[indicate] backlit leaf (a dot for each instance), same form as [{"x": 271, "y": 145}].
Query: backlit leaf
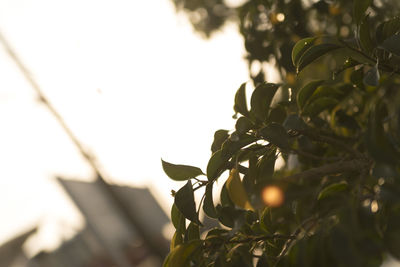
[
  {"x": 313, "y": 53},
  {"x": 180, "y": 172},
  {"x": 319, "y": 105},
  {"x": 300, "y": 47},
  {"x": 219, "y": 138},
  {"x": 305, "y": 92},
  {"x": 236, "y": 191},
  {"x": 178, "y": 220},
  {"x": 332, "y": 189}
]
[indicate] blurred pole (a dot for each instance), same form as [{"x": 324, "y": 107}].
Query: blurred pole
[{"x": 90, "y": 159}]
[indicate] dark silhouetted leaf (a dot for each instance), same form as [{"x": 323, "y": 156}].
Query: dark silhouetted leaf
[
  {"x": 243, "y": 124},
  {"x": 216, "y": 165},
  {"x": 261, "y": 100},
  {"x": 240, "y": 101},
  {"x": 294, "y": 122},
  {"x": 208, "y": 206},
  {"x": 180, "y": 172},
  {"x": 192, "y": 232},
  {"x": 275, "y": 134},
  {"x": 265, "y": 167},
  {"x": 277, "y": 114},
  {"x": 184, "y": 201},
  {"x": 219, "y": 138},
  {"x": 392, "y": 44}
]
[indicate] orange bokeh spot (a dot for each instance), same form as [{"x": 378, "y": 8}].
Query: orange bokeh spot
[{"x": 273, "y": 196}]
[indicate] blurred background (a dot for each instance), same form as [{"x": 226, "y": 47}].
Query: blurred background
[{"x": 92, "y": 95}]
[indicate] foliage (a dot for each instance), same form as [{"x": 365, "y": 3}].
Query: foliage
[{"x": 311, "y": 172}]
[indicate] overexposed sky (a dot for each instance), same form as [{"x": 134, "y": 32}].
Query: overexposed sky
[{"x": 131, "y": 80}]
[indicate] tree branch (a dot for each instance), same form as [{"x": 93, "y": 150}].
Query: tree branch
[
  {"x": 261, "y": 238},
  {"x": 331, "y": 141},
  {"x": 355, "y": 165}
]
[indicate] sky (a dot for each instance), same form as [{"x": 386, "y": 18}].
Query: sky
[{"x": 130, "y": 79}]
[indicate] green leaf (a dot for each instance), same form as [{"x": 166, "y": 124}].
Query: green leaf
[
  {"x": 240, "y": 101},
  {"x": 178, "y": 220},
  {"x": 319, "y": 105},
  {"x": 184, "y": 201},
  {"x": 236, "y": 191},
  {"x": 275, "y": 134},
  {"x": 313, "y": 53},
  {"x": 176, "y": 240},
  {"x": 300, "y": 47},
  {"x": 265, "y": 220},
  {"x": 325, "y": 91},
  {"x": 192, "y": 232},
  {"x": 359, "y": 8},
  {"x": 216, "y": 165},
  {"x": 180, "y": 172},
  {"x": 365, "y": 36},
  {"x": 180, "y": 255},
  {"x": 387, "y": 29},
  {"x": 392, "y": 44},
  {"x": 243, "y": 124},
  {"x": 219, "y": 138},
  {"x": 261, "y": 100},
  {"x": 332, "y": 189},
  {"x": 372, "y": 77},
  {"x": 208, "y": 206},
  {"x": 305, "y": 92}
]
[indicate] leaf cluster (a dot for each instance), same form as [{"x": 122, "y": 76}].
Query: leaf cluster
[{"x": 310, "y": 174}]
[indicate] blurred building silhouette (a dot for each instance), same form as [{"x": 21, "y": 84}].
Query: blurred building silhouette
[
  {"x": 123, "y": 228},
  {"x": 11, "y": 253}
]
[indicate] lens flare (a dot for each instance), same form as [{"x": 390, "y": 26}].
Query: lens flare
[{"x": 273, "y": 196}]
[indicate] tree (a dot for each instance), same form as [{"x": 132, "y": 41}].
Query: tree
[{"x": 334, "y": 122}]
